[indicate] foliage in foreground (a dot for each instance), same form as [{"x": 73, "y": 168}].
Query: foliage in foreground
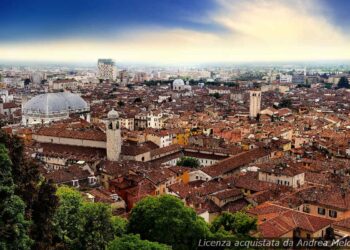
[
  {"x": 13, "y": 225},
  {"x": 167, "y": 220},
  {"x": 131, "y": 242}
]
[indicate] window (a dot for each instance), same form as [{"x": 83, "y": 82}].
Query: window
[
  {"x": 321, "y": 211},
  {"x": 306, "y": 209},
  {"x": 332, "y": 213}
]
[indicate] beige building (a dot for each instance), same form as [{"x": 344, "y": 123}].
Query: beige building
[{"x": 283, "y": 175}]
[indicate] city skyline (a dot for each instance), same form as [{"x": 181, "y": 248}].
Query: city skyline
[{"x": 170, "y": 32}]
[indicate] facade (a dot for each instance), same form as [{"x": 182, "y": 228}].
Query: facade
[
  {"x": 298, "y": 79},
  {"x": 255, "y": 103},
  {"x": 106, "y": 69},
  {"x": 155, "y": 120},
  {"x": 283, "y": 176},
  {"x": 49, "y": 107},
  {"x": 63, "y": 84},
  {"x": 286, "y": 78}
]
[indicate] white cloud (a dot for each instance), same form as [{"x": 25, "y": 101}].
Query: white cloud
[{"x": 257, "y": 30}]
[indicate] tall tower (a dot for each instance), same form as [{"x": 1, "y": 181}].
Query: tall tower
[
  {"x": 106, "y": 69},
  {"x": 255, "y": 103},
  {"x": 114, "y": 140}
]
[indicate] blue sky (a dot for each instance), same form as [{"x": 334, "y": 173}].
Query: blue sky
[
  {"x": 42, "y": 19},
  {"x": 174, "y": 30}
]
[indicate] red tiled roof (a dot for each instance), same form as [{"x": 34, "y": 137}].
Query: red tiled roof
[{"x": 235, "y": 162}]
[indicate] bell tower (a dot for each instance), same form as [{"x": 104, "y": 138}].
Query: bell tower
[
  {"x": 114, "y": 140},
  {"x": 255, "y": 103}
]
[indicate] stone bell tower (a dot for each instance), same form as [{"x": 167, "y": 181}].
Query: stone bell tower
[
  {"x": 255, "y": 103},
  {"x": 114, "y": 140}
]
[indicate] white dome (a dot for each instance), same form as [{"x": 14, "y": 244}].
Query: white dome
[
  {"x": 55, "y": 103},
  {"x": 178, "y": 82},
  {"x": 113, "y": 114}
]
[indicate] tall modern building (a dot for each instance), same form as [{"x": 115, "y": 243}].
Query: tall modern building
[
  {"x": 255, "y": 103},
  {"x": 106, "y": 69}
]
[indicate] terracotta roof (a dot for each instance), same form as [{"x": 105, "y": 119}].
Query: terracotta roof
[
  {"x": 134, "y": 149},
  {"x": 345, "y": 223},
  {"x": 276, "y": 221},
  {"x": 227, "y": 193},
  {"x": 250, "y": 181},
  {"x": 67, "y": 175},
  {"x": 235, "y": 162},
  {"x": 82, "y": 130}
]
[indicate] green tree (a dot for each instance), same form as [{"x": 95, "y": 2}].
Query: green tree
[
  {"x": 131, "y": 242},
  {"x": 25, "y": 172},
  {"x": 328, "y": 85},
  {"x": 285, "y": 103},
  {"x": 238, "y": 223},
  {"x": 84, "y": 225},
  {"x": 216, "y": 95},
  {"x": 167, "y": 220},
  {"x": 343, "y": 83},
  {"x": 119, "y": 225},
  {"x": 44, "y": 208},
  {"x": 67, "y": 219},
  {"x": 121, "y": 103},
  {"x": 188, "y": 162},
  {"x": 13, "y": 225},
  {"x": 97, "y": 228}
]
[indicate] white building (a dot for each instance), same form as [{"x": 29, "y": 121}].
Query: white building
[
  {"x": 179, "y": 84},
  {"x": 4, "y": 95},
  {"x": 154, "y": 120},
  {"x": 286, "y": 78},
  {"x": 49, "y": 107},
  {"x": 106, "y": 69},
  {"x": 285, "y": 176},
  {"x": 255, "y": 103}
]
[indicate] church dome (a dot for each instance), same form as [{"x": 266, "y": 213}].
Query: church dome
[
  {"x": 55, "y": 103},
  {"x": 113, "y": 114},
  {"x": 178, "y": 82}
]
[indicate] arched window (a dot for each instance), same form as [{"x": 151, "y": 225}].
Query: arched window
[{"x": 110, "y": 126}]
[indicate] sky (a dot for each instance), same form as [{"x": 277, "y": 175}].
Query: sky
[{"x": 174, "y": 31}]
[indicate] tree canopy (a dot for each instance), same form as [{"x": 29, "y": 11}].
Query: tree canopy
[
  {"x": 343, "y": 83},
  {"x": 238, "y": 223},
  {"x": 44, "y": 208},
  {"x": 131, "y": 242},
  {"x": 188, "y": 162},
  {"x": 285, "y": 103},
  {"x": 13, "y": 225},
  {"x": 84, "y": 225},
  {"x": 167, "y": 220},
  {"x": 216, "y": 95}
]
